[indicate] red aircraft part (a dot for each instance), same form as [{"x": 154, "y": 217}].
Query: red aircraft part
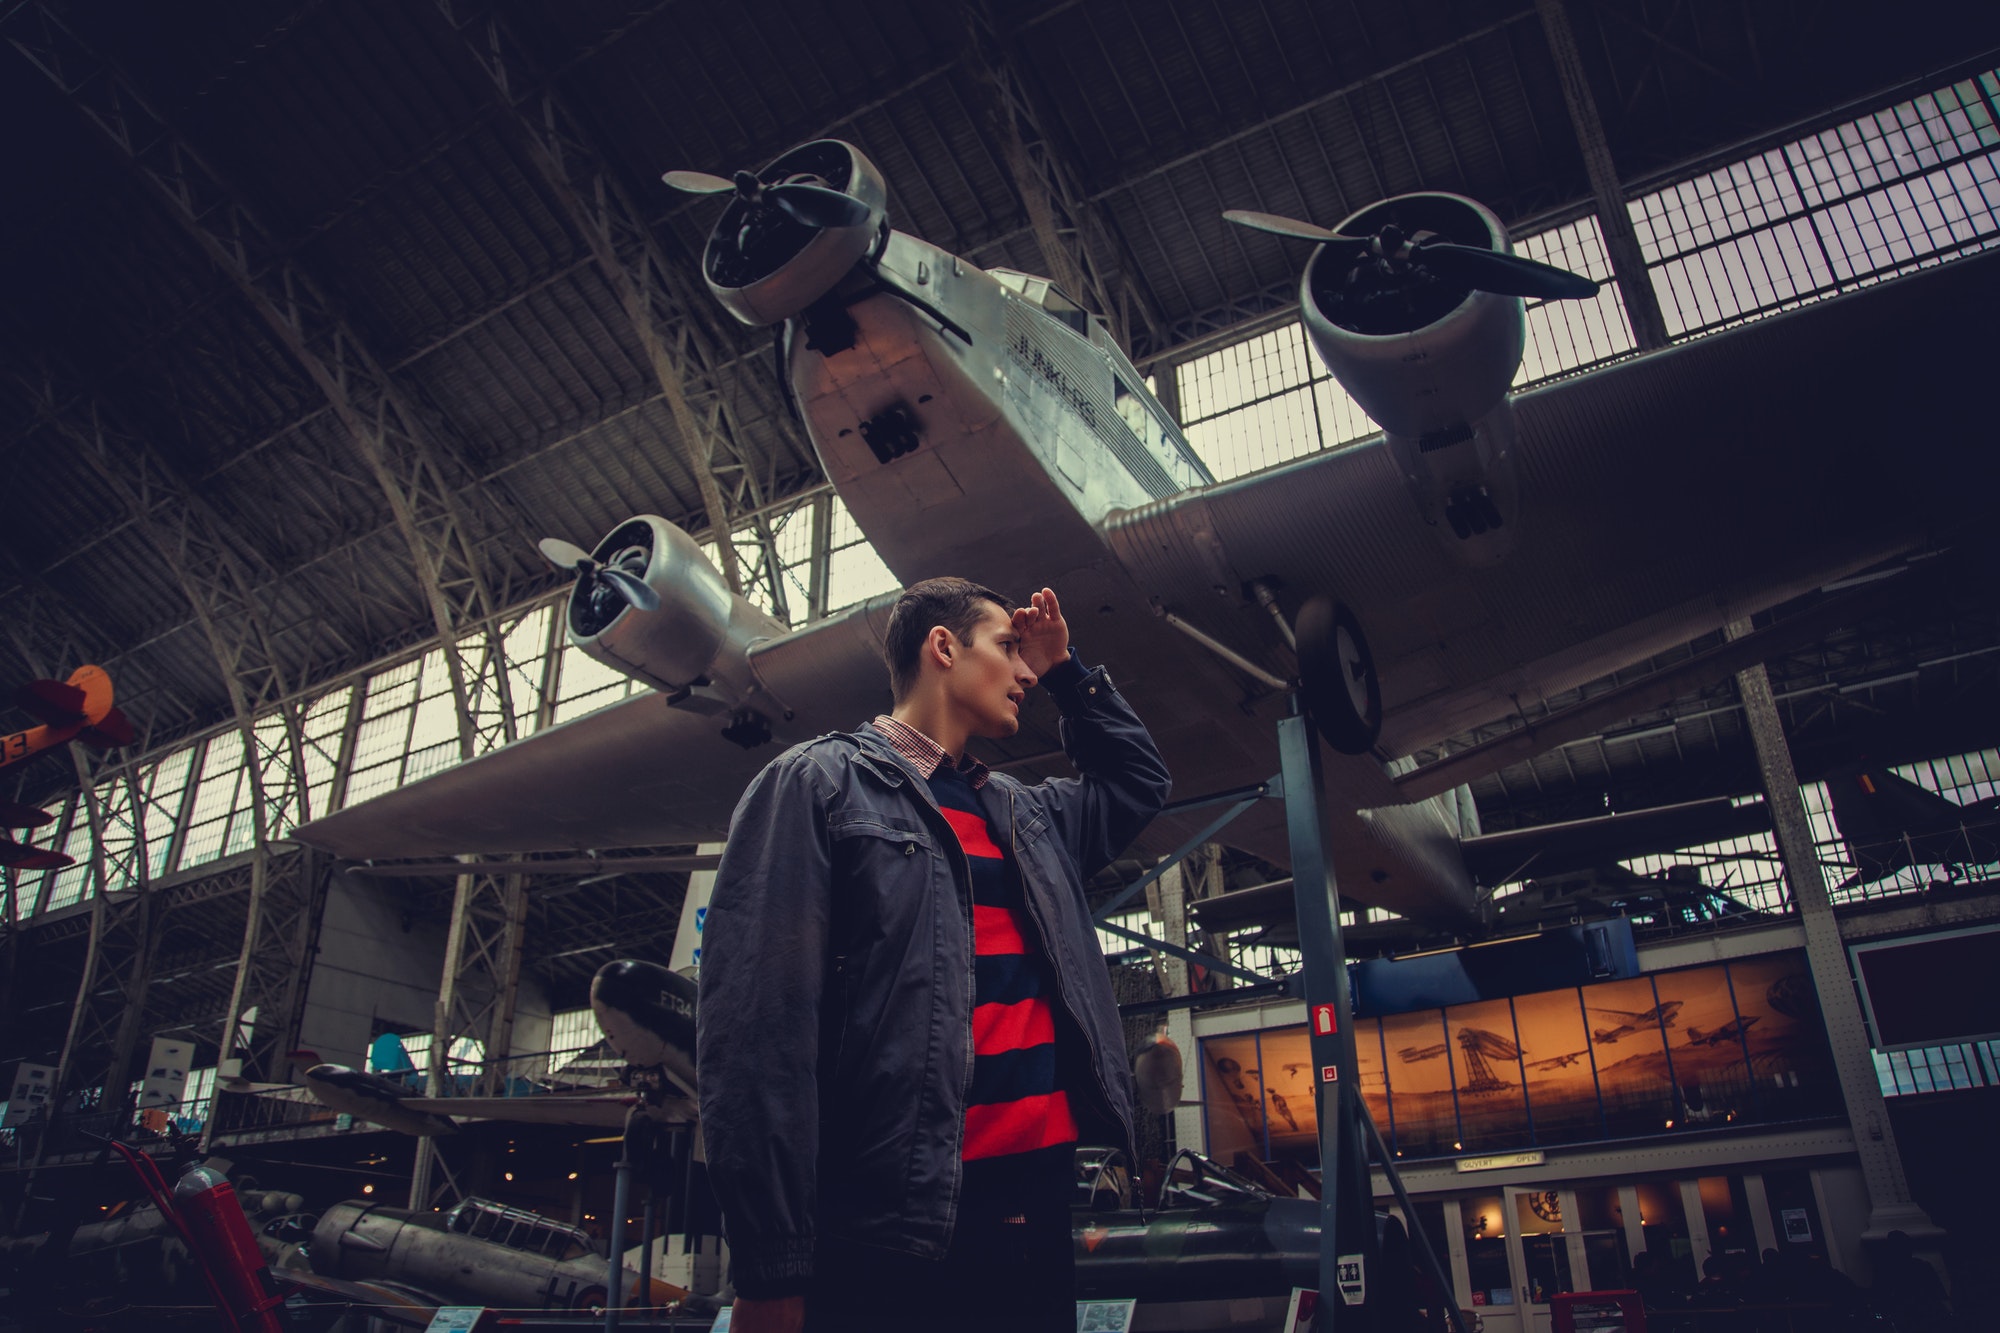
[
  {"x": 207, "y": 1204},
  {"x": 79, "y": 708}
]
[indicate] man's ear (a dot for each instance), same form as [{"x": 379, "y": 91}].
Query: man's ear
[{"x": 939, "y": 641}]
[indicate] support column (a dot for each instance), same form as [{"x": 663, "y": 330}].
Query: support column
[
  {"x": 1167, "y": 900},
  {"x": 1890, "y": 1206},
  {"x": 1621, "y": 242},
  {"x": 482, "y": 977}
]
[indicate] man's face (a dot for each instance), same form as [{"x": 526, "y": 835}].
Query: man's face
[{"x": 988, "y": 679}]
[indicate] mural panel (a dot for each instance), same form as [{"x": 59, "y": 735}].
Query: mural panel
[
  {"x": 1374, "y": 1078},
  {"x": 1791, "y": 1067},
  {"x": 1634, "y": 1076},
  {"x": 1706, "y": 1045},
  {"x": 1486, "y": 1068},
  {"x": 1420, "y": 1083},
  {"x": 1562, "y": 1081},
  {"x": 1232, "y": 1108},
  {"x": 1285, "y": 1077}
]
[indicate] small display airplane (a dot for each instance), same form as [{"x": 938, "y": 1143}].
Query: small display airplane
[
  {"x": 1733, "y": 1030},
  {"x": 646, "y": 1013},
  {"x": 1558, "y": 1061},
  {"x": 1631, "y": 1021},
  {"x": 1484, "y": 553},
  {"x": 77, "y": 709},
  {"x": 1890, "y": 823},
  {"x": 1411, "y": 1054}
]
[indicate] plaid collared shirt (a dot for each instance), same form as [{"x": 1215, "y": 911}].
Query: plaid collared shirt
[{"x": 925, "y": 753}]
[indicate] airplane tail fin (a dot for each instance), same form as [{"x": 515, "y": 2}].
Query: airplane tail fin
[
  {"x": 109, "y": 732},
  {"x": 389, "y": 1056}
]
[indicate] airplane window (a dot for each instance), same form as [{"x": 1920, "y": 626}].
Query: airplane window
[{"x": 1133, "y": 409}]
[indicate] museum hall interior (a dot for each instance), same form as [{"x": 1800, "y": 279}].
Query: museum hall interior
[{"x": 1462, "y": 791}]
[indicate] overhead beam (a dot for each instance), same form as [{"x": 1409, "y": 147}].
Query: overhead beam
[
  {"x": 1622, "y": 703},
  {"x": 190, "y": 541},
  {"x": 1621, "y": 240},
  {"x": 420, "y": 483},
  {"x": 1086, "y": 256},
  {"x": 657, "y": 294}
]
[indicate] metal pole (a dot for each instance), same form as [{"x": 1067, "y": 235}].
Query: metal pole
[
  {"x": 644, "y": 1295},
  {"x": 1432, "y": 1263},
  {"x": 1347, "y": 1232},
  {"x": 621, "y": 1195}
]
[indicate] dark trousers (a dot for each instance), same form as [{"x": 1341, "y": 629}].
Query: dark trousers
[{"x": 1019, "y": 1277}]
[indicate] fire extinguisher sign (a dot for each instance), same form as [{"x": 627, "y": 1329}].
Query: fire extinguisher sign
[{"x": 1324, "y": 1024}]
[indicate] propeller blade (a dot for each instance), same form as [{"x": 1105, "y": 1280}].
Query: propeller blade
[
  {"x": 697, "y": 182},
  {"x": 23, "y": 857},
  {"x": 1292, "y": 227},
  {"x": 562, "y": 554},
  {"x": 818, "y": 206},
  {"x": 23, "y": 816},
  {"x": 1502, "y": 274},
  {"x": 632, "y": 590}
]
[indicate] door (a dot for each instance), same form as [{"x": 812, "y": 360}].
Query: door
[
  {"x": 1545, "y": 1251},
  {"x": 1491, "y": 1287}
]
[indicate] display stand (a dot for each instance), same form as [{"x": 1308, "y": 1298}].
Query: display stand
[{"x": 1349, "y": 1259}]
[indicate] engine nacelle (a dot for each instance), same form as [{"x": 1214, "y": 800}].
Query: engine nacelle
[
  {"x": 695, "y": 648},
  {"x": 765, "y": 266},
  {"x": 1431, "y": 363}
]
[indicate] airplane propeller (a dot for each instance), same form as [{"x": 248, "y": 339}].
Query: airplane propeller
[
  {"x": 1468, "y": 266},
  {"x": 801, "y": 198},
  {"x": 568, "y": 555}
]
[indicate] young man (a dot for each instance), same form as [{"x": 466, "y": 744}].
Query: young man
[{"x": 905, "y": 1023}]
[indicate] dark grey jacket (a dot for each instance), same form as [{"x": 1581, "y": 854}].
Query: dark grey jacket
[{"x": 834, "y": 1025}]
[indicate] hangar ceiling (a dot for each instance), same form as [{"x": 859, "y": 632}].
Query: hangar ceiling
[{"x": 264, "y": 265}]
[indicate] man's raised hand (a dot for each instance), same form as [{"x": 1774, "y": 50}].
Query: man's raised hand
[{"x": 1043, "y": 632}]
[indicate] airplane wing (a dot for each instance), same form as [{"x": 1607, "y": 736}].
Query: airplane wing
[
  {"x": 1660, "y": 498},
  {"x": 637, "y": 774}
]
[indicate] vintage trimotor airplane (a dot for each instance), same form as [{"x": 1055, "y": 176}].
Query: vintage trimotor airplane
[
  {"x": 1495, "y": 550},
  {"x": 77, "y": 709}
]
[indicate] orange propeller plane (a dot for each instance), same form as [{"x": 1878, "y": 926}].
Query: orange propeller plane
[{"x": 78, "y": 709}]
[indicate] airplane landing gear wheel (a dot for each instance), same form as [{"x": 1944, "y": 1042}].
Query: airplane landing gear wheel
[{"x": 1337, "y": 676}]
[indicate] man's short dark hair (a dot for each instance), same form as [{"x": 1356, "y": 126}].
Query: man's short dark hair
[{"x": 953, "y": 603}]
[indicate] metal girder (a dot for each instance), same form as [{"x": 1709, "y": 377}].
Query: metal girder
[
  {"x": 111, "y": 989},
  {"x": 1890, "y": 1203},
  {"x": 1621, "y": 241},
  {"x": 658, "y": 296},
  {"x": 482, "y": 980},
  {"x": 273, "y": 970},
  {"x": 1088, "y": 259},
  {"x": 111, "y": 992},
  {"x": 275, "y": 959},
  {"x": 419, "y": 481}
]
